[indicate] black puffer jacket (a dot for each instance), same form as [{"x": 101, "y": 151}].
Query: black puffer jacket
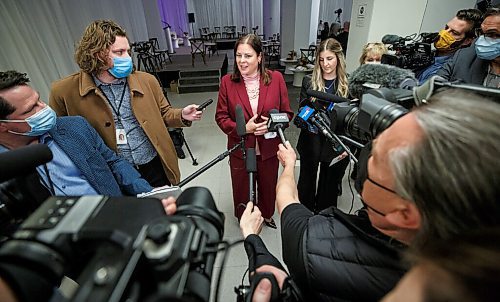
[{"x": 344, "y": 258}]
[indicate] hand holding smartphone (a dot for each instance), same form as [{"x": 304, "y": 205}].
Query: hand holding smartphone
[{"x": 204, "y": 105}]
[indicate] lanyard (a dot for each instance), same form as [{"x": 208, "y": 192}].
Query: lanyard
[{"x": 116, "y": 111}]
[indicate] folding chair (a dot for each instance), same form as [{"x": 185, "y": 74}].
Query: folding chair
[{"x": 197, "y": 47}]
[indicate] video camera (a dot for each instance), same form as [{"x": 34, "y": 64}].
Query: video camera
[
  {"x": 379, "y": 108},
  {"x": 414, "y": 56},
  {"x": 116, "y": 248}
]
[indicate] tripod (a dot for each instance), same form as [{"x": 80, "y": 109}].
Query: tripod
[{"x": 177, "y": 135}]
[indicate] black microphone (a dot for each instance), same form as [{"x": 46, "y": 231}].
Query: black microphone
[
  {"x": 309, "y": 115},
  {"x": 277, "y": 122},
  {"x": 371, "y": 76},
  {"x": 251, "y": 165},
  {"x": 23, "y": 160},
  {"x": 326, "y": 96},
  {"x": 241, "y": 125},
  {"x": 392, "y": 39}
]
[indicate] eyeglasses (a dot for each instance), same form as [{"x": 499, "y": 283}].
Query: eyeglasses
[{"x": 380, "y": 186}]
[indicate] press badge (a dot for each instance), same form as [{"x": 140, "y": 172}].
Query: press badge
[
  {"x": 121, "y": 137},
  {"x": 270, "y": 135}
]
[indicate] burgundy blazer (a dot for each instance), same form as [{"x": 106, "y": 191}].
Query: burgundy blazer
[{"x": 272, "y": 96}]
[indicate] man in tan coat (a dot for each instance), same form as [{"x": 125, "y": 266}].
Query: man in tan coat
[{"x": 127, "y": 108}]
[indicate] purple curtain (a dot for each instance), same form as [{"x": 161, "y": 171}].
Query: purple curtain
[{"x": 174, "y": 12}]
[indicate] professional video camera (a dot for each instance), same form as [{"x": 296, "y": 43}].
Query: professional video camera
[
  {"x": 415, "y": 55},
  {"x": 358, "y": 121},
  {"x": 115, "y": 248},
  {"x": 378, "y": 108}
]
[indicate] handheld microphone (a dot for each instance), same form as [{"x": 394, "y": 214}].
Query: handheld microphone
[
  {"x": 310, "y": 115},
  {"x": 277, "y": 122},
  {"x": 241, "y": 127},
  {"x": 326, "y": 96},
  {"x": 251, "y": 165},
  {"x": 371, "y": 76},
  {"x": 21, "y": 161}
]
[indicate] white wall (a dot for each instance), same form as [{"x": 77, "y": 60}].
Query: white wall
[
  {"x": 287, "y": 21},
  {"x": 313, "y": 25},
  {"x": 153, "y": 22},
  {"x": 438, "y": 12},
  {"x": 271, "y": 16},
  {"x": 304, "y": 34}
]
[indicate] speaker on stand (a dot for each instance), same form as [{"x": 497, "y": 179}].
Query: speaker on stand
[{"x": 191, "y": 20}]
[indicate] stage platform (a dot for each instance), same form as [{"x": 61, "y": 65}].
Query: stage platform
[{"x": 181, "y": 64}]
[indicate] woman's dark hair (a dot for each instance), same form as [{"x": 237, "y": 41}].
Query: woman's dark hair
[{"x": 256, "y": 44}]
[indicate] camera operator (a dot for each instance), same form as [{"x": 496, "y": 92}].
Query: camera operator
[
  {"x": 422, "y": 181},
  {"x": 458, "y": 33},
  {"x": 479, "y": 64}
]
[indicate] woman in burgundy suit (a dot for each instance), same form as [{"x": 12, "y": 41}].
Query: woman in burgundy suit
[{"x": 257, "y": 90}]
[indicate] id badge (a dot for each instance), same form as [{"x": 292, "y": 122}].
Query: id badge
[
  {"x": 121, "y": 137},
  {"x": 270, "y": 135}
]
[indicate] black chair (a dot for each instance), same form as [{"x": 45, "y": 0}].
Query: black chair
[
  {"x": 273, "y": 52},
  {"x": 211, "y": 46},
  {"x": 162, "y": 54},
  {"x": 197, "y": 47},
  {"x": 308, "y": 53},
  {"x": 243, "y": 31},
  {"x": 146, "y": 60},
  {"x": 217, "y": 33}
]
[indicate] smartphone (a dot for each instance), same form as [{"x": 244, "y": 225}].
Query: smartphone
[{"x": 204, "y": 105}]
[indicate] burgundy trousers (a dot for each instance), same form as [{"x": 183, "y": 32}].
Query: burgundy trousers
[{"x": 266, "y": 179}]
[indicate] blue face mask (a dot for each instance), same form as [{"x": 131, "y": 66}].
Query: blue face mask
[
  {"x": 122, "y": 67},
  {"x": 40, "y": 122},
  {"x": 487, "y": 48}
]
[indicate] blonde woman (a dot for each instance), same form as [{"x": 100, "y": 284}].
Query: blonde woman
[
  {"x": 372, "y": 53},
  {"x": 329, "y": 75}
]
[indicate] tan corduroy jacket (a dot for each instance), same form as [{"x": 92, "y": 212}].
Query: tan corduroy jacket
[{"x": 77, "y": 94}]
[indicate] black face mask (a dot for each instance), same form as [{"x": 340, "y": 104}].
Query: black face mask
[{"x": 363, "y": 167}]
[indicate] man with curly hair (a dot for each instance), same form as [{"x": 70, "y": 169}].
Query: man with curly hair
[{"x": 126, "y": 107}]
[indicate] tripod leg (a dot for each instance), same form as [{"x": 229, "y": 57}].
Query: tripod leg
[{"x": 195, "y": 163}]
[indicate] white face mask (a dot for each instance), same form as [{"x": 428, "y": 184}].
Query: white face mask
[
  {"x": 40, "y": 122},
  {"x": 487, "y": 48}
]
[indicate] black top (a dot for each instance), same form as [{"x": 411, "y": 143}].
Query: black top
[{"x": 334, "y": 256}]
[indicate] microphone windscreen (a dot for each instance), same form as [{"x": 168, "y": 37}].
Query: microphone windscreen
[
  {"x": 273, "y": 111},
  {"x": 306, "y": 113},
  {"x": 241, "y": 127},
  {"x": 369, "y": 76},
  {"x": 391, "y": 39},
  {"x": 326, "y": 96},
  {"x": 251, "y": 160},
  {"x": 21, "y": 161}
]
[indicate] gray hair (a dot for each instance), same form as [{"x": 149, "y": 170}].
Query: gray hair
[{"x": 453, "y": 174}]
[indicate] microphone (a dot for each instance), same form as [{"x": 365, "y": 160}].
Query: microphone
[
  {"x": 308, "y": 114},
  {"x": 277, "y": 122},
  {"x": 21, "y": 161},
  {"x": 392, "y": 39},
  {"x": 241, "y": 127},
  {"x": 251, "y": 165},
  {"x": 371, "y": 76},
  {"x": 326, "y": 96}
]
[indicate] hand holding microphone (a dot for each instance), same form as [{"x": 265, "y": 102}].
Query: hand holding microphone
[{"x": 277, "y": 122}]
